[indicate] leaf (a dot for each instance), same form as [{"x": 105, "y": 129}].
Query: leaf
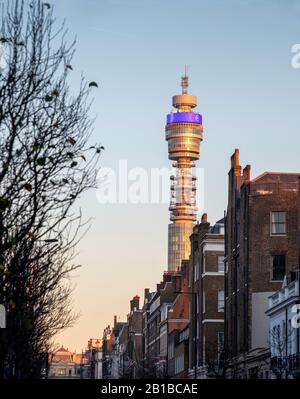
[
  {"x": 47, "y": 5},
  {"x": 21, "y": 44},
  {"x": 5, "y": 165},
  {"x": 35, "y": 147},
  {"x": 4, "y": 203},
  {"x": 93, "y": 84},
  {"x": 71, "y": 140},
  {"x": 53, "y": 182},
  {"x": 41, "y": 161},
  {"x": 4, "y": 40},
  {"x": 66, "y": 181},
  {"x": 73, "y": 164},
  {"x": 28, "y": 187},
  {"x": 69, "y": 67},
  {"x": 70, "y": 155},
  {"x": 55, "y": 93},
  {"x": 50, "y": 240},
  {"x": 83, "y": 157},
  {"x": 2, "y": 267},
  {"x": 48, "y": 98},
  {"x": 99, "y": 149}
]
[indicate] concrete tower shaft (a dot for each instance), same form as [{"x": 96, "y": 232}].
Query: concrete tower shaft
[{"x": 184, "y": 134}]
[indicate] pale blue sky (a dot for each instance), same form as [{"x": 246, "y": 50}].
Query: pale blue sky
[{"x": 239, "y": 57}]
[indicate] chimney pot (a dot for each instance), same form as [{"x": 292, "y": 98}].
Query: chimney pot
[
  {"x": 204, "y": 218},
  {"x": 246, "y": 174}
]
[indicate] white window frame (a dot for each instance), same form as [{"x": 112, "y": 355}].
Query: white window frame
[
  {"x": 221, "y": 308},
  {"x": 223, "y": 265},
  {"x": 272, "y": 233}
]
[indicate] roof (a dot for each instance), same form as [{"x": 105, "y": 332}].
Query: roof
[
  {"x": 276, "y": 177},
  {"x": 62, "y": 349},
  {"x": 62, "y": 355},
  {"x": 216, "y": 228}
]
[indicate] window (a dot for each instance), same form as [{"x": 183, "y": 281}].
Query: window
[
  {"x": 221, "y": 264},
  {"x": 196, "y": 272},
  {"x": 278, "y": 223},
  {"x": 221, "y": 300},
  {"x": 278, "y": 267},
  {"x": 171, "y": 350},
  {"x": 179, "y": 363}
]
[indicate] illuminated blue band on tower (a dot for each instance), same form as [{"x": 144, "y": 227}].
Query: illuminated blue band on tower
[{"x": 189, "y": 117}]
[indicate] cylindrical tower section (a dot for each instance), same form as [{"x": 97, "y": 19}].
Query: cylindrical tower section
[{"x": 184, "y": 134}]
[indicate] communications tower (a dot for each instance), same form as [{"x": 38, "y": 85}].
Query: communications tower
[{"x": 184, "y": 135}]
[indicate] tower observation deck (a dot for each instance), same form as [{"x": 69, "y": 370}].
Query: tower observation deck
[{"x": 184, "y": 134}]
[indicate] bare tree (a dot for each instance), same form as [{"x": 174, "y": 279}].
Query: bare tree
[
  {"x": 216, "y": 363},
  {"x": 280, "y": 339},
  {"x": 46, "y": 163}
]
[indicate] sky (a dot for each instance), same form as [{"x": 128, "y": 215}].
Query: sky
[{"x": 239, "y": 58}]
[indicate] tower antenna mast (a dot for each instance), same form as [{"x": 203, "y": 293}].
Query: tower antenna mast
[{"x": 185, "y": 81}]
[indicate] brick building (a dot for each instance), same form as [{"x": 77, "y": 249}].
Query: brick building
[
  {"x": 207, "y": 310},
  {"x": 155, "y": 323},
  {"x": 110, "y": 350},
  {"x": 178, "y": 325},
  {"x": 261, "y": 247},
  {"x": 132, "y": 334}
]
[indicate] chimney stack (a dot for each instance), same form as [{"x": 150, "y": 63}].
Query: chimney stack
[
  {"x": 146, "y": 293},
  {"x": 135, "y": 303},
  {"x": 235, "y": 162},
  {"x": 246, "y": 174}
]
